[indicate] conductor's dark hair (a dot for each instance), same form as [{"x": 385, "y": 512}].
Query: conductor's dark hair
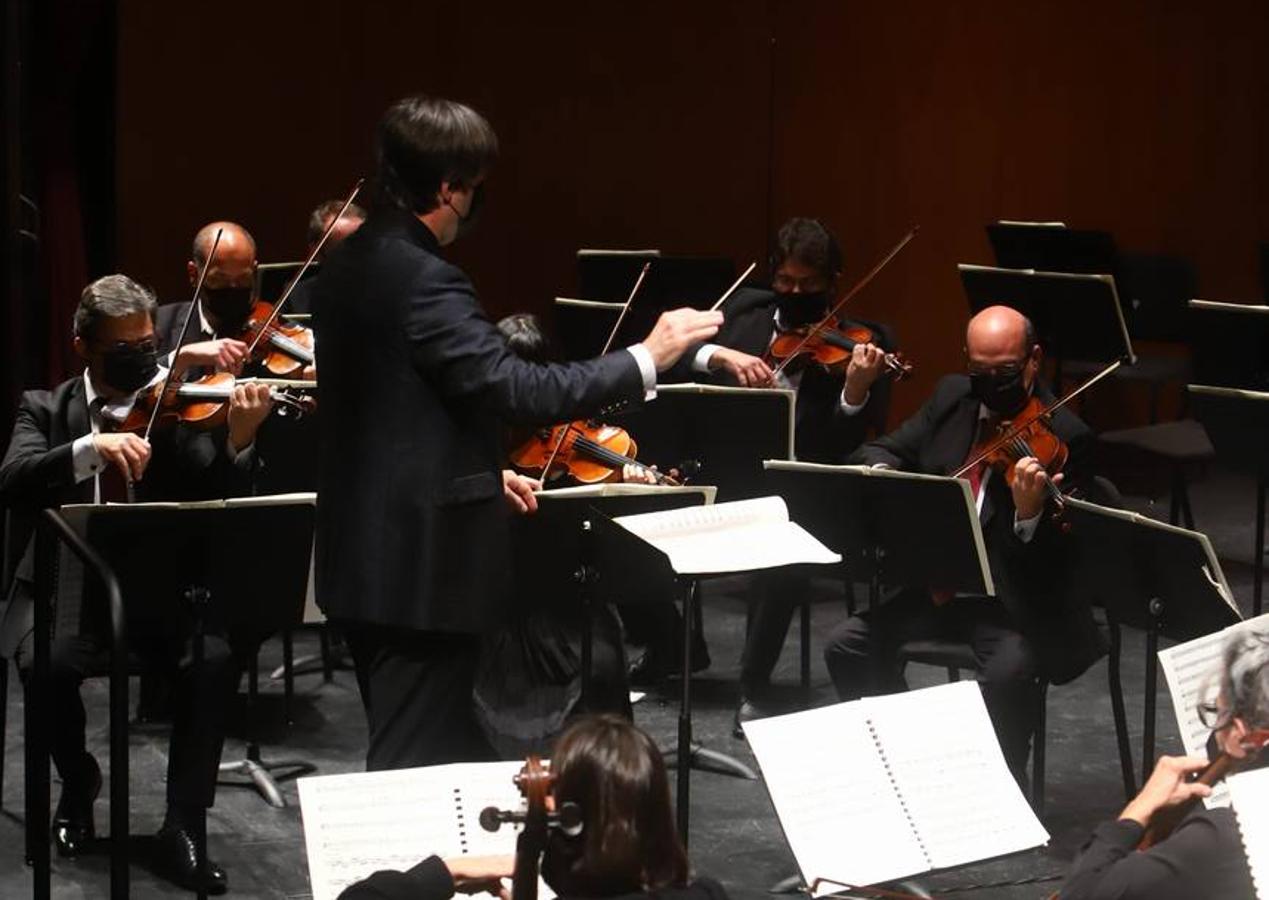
[
  {"x": 320, "y": 218},
  {"x": 110, "y": 297},
  {"x": 629, "y": 842},
  {"x": 525, "y": 337},
  {"x": 807, "y": 241},
  {"x": 422, "y": 141}
]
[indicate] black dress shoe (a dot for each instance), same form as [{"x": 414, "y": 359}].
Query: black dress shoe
[
  {"x": 651, "y": 668},
  {"x": 747, "y": 711},
  {"x": 73, "y": 829},
  {"x": 176, "y": 859}
]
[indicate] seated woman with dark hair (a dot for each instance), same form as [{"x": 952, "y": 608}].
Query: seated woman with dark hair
[
  {"x": 628, "y": 845},
  {"x": 1203, "y": 856}
]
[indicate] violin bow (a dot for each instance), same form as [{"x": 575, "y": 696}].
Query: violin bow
[
  {"x": 855, "y": 289},
  {"x": 1018, "y": 427},
  {"x": 180, "y": 340},
  {"x": 286, "y": 294},
  {"x": 625, "y": 307}
]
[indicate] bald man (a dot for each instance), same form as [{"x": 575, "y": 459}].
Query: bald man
[
  {"x": 1034, "y": 627},
  {"x": 223, "y": 304}
]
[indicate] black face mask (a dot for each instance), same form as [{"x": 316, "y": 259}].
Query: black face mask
[
  {"x": 130, "y": 367},
  {"x": 229, "y": 305},
  {"x": 801, "y": 309},
  {"x": 467, "y": 223},
  {"x": 1004, "y": 395}
]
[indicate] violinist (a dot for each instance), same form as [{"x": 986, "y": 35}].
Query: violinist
[
  {"x": 319, "y": 220},
  {"x": 628, "y": 846},
  {"x": 63, "y": 450},
  {"x": 1034, "y": 626},
  {"x": 1203, "y": 856},
  {"x": 417, "y": 385}
]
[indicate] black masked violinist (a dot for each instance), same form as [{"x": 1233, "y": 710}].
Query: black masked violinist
[
  {"x": 1187, "y": 850},
  {"x": 64, "y": 449},
  {"x": 320, "y": 220},
  {"x": 1034, "y": 627}
]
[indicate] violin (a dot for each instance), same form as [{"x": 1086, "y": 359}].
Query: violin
[
  {"x": 830, "y": 346},
  {"x": 204, "y": 403},
  {"x": 535, "y": 783},
  {"x": 284, "y": 351},
  {"x": 589, "y": 451},
  {"x": 1165, "y": 820}
]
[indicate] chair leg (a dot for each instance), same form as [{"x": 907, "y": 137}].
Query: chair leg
[
  {"x": 953, "y": 673},
  {"x": 4, "y": 720},
  {"x": 805, "y": 647},
  {"x": 1038, "y": 750},
  {"x": 288, "y": 676},
  {"x": 328, "y": 662},
  {"x": 1120, "y": 716}
]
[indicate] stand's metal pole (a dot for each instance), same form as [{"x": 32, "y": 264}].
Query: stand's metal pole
[
  {"x": 1152, "y": 679},
  {"x": 682, "y": 797}
]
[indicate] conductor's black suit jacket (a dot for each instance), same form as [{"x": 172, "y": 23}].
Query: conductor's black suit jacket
[
  {"x": 1031, "y": 578},
  {"x": 416, "y": 387},
  {"x": 823, "y": 432}
]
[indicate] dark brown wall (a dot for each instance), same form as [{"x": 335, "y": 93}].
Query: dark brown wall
[{"x": 652, "y": 124}]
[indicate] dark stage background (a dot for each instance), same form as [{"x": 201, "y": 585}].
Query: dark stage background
[{"x": 698, "y": 127}]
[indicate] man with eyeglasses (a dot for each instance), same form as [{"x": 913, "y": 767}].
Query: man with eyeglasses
[{"x": 1034, "y": 627}]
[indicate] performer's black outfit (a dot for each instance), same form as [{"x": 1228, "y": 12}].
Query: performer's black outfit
[
  {"x": 38, "y": 472},
  {"x": 430, "y": 880},
  {"x": 1035, "y": 626},
  {"x": 412, "y": 525},
  {"x": 1203, "y": 857}
]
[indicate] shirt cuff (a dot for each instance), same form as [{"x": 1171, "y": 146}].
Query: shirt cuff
[
  {"x": 235, "y": 455},
  {"x": 85, "y": 459},
  {"x": 1025, "y": 528},
  {"x": 851, "y": 409},
  {"x": 700, "y": 362},
  {"x": 647, "y": 368}
]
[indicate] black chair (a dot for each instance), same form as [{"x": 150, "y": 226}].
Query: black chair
[{"x": 1152, "y": 460}]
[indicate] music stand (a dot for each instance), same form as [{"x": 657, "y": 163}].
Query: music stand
[
  {"x": 1231, "y": 344},
  {"x": 633, "y": 568},
  {"x": 729, "y": 431},
  {"x": 272, "y": 278},
  {"x": 1237, "y": 421},
  {"x": 1052, "y": 247},
  {"x": 1161, "y": 578},
  {"x": 159, "y": 551},
  {"x": 581, "y": 326}
]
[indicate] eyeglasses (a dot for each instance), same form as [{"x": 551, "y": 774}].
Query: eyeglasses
[
  {"x": 1004, "y": 370},
  {"x": 787, "y": 284},
  {"x": 145, "y": 345}
]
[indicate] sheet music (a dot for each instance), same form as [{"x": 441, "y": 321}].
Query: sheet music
[
  {"x": 729, "y": 537},
  {"x": 883, "y": 788},
  {"x": 358, "y": 823},
  {"x": 833, "y": 796},
  {"x": 1250, "y": 794},
  {"x": 1191, "y": 671},
  {"x": 957, "y": 787}
]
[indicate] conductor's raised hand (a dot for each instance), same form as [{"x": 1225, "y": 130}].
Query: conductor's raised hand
[
  {"x": 127, "y": 452},
  {"x": 676, "y": 331},
  {"x": 749, "y": 371},
  {"x": 518, "y": 491}
]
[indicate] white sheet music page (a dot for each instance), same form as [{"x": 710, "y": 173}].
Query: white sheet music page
[
  {"x": 358, "y": 823},
  {"x": 729, "y": 537},
  {"x": 834, "y": 798},
  {"x": 942, "y": 750},
  {"x": 1191, "y": 671},
  {"x": 1249, "y": 792}
]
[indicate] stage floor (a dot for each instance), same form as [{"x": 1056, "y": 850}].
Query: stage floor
[{"x": 735, "y": 836}]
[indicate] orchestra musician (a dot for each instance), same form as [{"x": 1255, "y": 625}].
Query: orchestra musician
[
  {"x": 417, "y": 386},
  {"x": 835, "y": 412},
  {"x": 1204, "y": 855},
  {"x": 62, "y": 450},
  {"x": 1033, "y": 627},
  {"x": 301, "y": 301},
  {"x": 628, "y": 846}
]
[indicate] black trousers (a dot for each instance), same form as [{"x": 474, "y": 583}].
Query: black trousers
[
  {"x": 199, "y": 709},
  {"x": 416, "y": 687},
  {"x": 861, "y": 658},
  {"x": 772, "y": 600}
]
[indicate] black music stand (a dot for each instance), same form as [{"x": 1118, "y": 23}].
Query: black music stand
[
  {"x": 634, "y": 570},
  {"x": 1160, "y": 578},
  {"x": 1237, "y": 421},
  {"x": 162, "y": 551},
  {"x": 1076, "y": 316},
  {"x": 893, "y": 529},
  {"x": 1231, "y": 344},
  {"x": 272, "y": 278},
  {"x": 552, "y": 550},
  {"x": 728, "y": 431},
  {"x": 1052, "y": 247},
  {"x": 582, "y": 326}
]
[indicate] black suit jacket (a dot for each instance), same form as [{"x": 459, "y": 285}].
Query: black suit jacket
[
  {"x": 168, "y": 320},
  {"x": 1031, "y": 578},
  {"x": 417, "y": 384},
  {"x": 823, "y": 433},
  {"x": 38, "y": 471}
]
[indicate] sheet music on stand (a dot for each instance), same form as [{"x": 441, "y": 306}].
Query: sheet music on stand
[
  {"x": 360, "y": 822},
  {"x": 879, "y": 789},
  {"x": 1249, "y": 793},
  {"x": 1192, "y": 670}
]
